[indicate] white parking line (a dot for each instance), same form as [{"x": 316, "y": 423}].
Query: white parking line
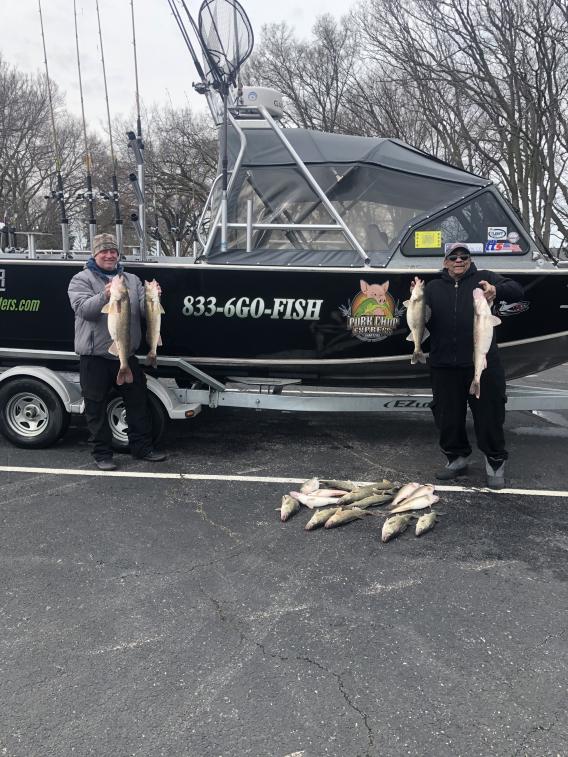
[{"x": 254, "y": 479}]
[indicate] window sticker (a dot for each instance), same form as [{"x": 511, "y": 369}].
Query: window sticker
[
  {"x": 494, "y": 246},
  {"x": 473, "y": 247},
  {"x": 427, "y": 239},
  {"x": 513, "y": 237},
  {"x": 497, "y": 232}
]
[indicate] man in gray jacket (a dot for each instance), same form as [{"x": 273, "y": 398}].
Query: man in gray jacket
[{"x": 88, "y": 292}]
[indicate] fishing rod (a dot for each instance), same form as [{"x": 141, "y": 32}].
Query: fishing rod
[
  {"x": 136, "y": 143},
  {"x": 56, "y": 194},
  {"x": 88, "y": 196},
  {"x": 113, "y": 194}
]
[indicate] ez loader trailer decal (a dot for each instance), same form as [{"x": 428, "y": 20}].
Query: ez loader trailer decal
[{"x": 36, "y": 403}]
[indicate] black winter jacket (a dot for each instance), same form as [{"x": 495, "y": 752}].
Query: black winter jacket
[{"x": 451, "y": 321}]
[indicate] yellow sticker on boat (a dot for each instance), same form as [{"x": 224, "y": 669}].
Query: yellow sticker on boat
[{"x": 427, "y": 239}]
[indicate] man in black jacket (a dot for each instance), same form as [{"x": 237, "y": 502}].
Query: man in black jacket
[{"x": 450, "y": 299}]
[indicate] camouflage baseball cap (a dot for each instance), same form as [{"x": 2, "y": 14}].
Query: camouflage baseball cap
[{"x": 104, "y": 242}]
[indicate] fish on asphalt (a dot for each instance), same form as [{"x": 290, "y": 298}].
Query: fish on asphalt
[
  {"x": 483, "y": 324},
  {"x": 118, "y": 312},
  {"x": 375, "y": 500},
  {"x": 416, "y": 503},
  {"x": 426, "y": 522},
  {"x": 405, "y": 491},
  {"x": 334, "y": 483},
  {"x": 320, "y": 517},
  {"x": 289, "y": 507},
  {"x": 154, "y": 312},
  {"x": 357, "y": 494},
  {"x": 309, "y": 486},
  {"x": 328, "y": 493},
  {"x": 345, "y": 516},
  {"x": 394, "y": 526},
  {"x": 311, "y": 501},
  {"x": 417, "y": 492},
  {"x": 417, "y": 315}
]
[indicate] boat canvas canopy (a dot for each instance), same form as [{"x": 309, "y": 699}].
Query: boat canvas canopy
[{"x": 379, "y": 187}]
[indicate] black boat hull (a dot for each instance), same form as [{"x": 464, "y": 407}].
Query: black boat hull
[{"x": 334, "y": 327}]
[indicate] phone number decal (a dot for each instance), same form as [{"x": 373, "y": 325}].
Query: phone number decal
[{"x": 244, "y": 307}]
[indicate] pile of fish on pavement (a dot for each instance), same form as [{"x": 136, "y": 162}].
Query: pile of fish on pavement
[{"x": 339, "y": 502}]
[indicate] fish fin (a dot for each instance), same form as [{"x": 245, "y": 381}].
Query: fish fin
[
  {"x": 111, "y": 307},
  {"x": 418, "y": 357},
  {"x": 474, "y": 388},
  {"x": 151, "y": 359},
  {"x": 410, "y": 338},
  {"x": 124, "y": 376},
  {"x": 406, "y": 303},
  {"x": 159, "y": 340},
  {"x": 106, "y": 308},
  {"x": 113, "y": 349},
  {"x": 162, "y": 311},
  {"x": 495, "y": 321},
  {"x": 425, "y": 335}
]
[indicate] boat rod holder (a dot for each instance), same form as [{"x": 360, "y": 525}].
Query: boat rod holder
[{"x": 136, "y": 145}]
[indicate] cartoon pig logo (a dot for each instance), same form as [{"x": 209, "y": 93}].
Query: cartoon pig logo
[{"x": 374, "y": 300}]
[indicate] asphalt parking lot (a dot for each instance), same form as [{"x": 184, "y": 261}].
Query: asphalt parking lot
[{"x": 147, "y": 615}]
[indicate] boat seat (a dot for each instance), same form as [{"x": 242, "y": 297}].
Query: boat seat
[{"x": 376, "y": 239}]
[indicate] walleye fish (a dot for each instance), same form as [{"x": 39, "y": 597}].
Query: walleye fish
[
  {"x": 425, "y": 523},
  {"x": 311, "y": 501},
  {"x": 416, "y": 503},
  {"x": 328, "y": 493},
  {"x": 309, "y": 486},
  {"x": 118, "y": 311},
  {"x": 394, "y": 526},
  {"x": 405, "y": 492},
  {"x": 320, "y": 517},
  {"x": 289, "y": 507},
  {"x": 373, "y": 501},
  {"x": 356, "y": 494},
  {"x": 334, "y": 483},
  {"x": 483, "y": 324},
  {"x": 417, "y": 315},
  {"x": 154, "y": 311},
  {"x": 345, "y": 516}
]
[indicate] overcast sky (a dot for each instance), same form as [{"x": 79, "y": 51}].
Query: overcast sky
[{"x": 165, "y": 67}]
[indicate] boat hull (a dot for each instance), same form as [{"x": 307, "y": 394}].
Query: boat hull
[{"x": 328, "y": 326}]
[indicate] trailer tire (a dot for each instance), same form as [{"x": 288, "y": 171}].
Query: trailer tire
[
  {"x": 31, "y": 413},
  {"x": 116, "y": 415}
]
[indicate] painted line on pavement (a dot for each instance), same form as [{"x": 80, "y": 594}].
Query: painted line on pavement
[{"x": 255, "y": 479}]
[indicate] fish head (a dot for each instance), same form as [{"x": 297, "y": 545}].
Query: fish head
[
  {"x": 151, "y": 290},
  {"x": 118, "y": 288}
]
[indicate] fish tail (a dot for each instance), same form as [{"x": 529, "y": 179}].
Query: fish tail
[
  {"x": 474, "y": 388},
  {"x": 418, "y": 357},
  {"x": 124, "y": 376}
]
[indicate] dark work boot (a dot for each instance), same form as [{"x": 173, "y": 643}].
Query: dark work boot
[
  {"x": 495, "y": 475},
  {"x": 106, "y": 464},
  {"x": 457, "y": 467}
]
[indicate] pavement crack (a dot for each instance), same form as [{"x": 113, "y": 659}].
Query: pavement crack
[
  {"x": 340, "y": 684},
  {"x": 200, "y": 509},
  {"x": 540, "y": 729}
]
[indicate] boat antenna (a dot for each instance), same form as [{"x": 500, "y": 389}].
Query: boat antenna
[
  {"x": 88, "y": 196},
  {"x": 138, "y": 119},
  {"x": 56, "y": 194},
  {"x": 227, "y": 40},
  {"x": 113, "y": 194}
]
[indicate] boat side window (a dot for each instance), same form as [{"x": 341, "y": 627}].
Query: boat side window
[
  {"x": 376, "y": 204},
  {"x": 483, "y": 224}
]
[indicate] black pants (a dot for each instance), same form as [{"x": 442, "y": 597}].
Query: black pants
[
  {"x": 450, "y": 389},
  {"x": 98, "y": 378}
]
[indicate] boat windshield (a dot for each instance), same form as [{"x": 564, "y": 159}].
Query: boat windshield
[{"x": 376, "y": 203}]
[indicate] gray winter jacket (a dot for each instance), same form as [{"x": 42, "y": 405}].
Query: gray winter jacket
[{"x": 87, "y": 297}]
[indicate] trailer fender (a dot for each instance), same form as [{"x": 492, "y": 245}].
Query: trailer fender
[
  {"x": 69, "y": 393},
  {"x": 171, "y": 403}
]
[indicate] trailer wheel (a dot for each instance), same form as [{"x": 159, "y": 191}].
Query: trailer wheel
[
  {"x": 116, "y": 415},
  {"x": 31, "y": 414}
]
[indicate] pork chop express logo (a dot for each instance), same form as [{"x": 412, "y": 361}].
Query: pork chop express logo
[{"x": 372, "y": 315}]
